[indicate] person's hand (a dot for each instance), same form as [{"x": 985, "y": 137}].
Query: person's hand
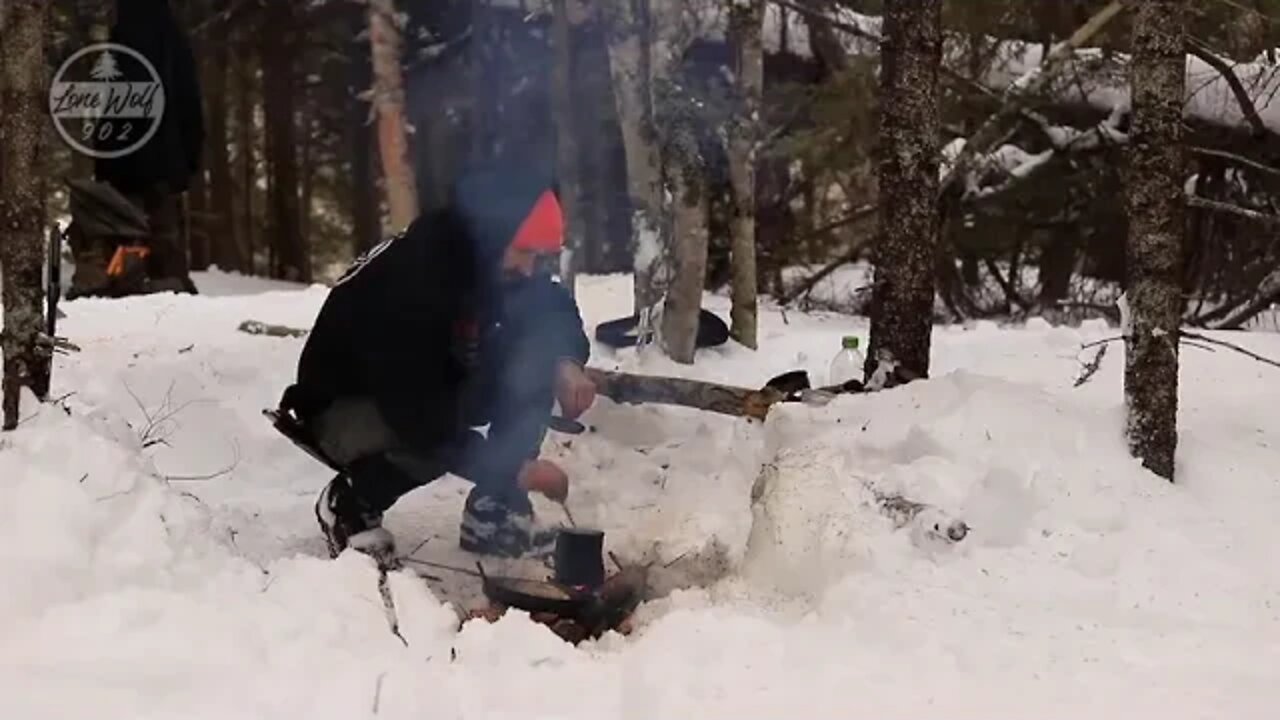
[
  {"x": 544, "y": 476},
  {"x": 574, "y": 390}
]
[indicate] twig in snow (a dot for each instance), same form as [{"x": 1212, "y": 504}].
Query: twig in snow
[
  {"x": 115, "y": 494},
  {"x": 1091, "y": 368},
  {"x": 231, "y": 533},
  {"x": 377, "y": 692},
  {"x": 415, "y": 550},
  {"x": 235, "y": 448},
  {"x": 676, "y": 559},
  {"x": 442, "y": 566},
  {"x": 384, "y": 589},
  {"x": 155, "y": 433}
]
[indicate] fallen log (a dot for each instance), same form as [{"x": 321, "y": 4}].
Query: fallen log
[
  {"x": 633, "y": 389},
  {"x": 629, "y": 389}
]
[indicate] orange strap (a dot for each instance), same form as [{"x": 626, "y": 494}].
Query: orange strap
[{"x": 115, "y": 268}]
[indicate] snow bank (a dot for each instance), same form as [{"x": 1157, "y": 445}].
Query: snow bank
[{"x": 129, "y": 595}]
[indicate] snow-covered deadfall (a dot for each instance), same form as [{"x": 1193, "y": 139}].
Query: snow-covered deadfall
[{"x": 133, "y": 587}]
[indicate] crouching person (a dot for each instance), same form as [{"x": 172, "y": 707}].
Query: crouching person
[{"x": 443, "y": 329}]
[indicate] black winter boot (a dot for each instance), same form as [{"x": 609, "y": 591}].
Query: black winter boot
[{"x": 347, "y": 521}]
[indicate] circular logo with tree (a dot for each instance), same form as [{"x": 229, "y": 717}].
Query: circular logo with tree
[{"x": 106, "y": 100}]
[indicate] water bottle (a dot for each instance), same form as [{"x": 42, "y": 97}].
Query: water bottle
[{"x": 847, "y": 364}]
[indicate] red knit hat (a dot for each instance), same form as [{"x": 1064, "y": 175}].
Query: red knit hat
[{"x": 543, "y": 228}]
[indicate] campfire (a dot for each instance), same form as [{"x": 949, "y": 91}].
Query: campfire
[{"x": 581, "y": 601}]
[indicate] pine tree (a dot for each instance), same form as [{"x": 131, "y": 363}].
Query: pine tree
[
  {"x": 26, "y": 363},
  {"x": 902, "y": 300},
  {"x": 1156, "y": 225}
]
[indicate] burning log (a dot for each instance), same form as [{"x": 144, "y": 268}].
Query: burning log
[{"x": 574, "y": 614}]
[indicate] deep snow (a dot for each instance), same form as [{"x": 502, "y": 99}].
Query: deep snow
[{"x": 1088, "y": 587}]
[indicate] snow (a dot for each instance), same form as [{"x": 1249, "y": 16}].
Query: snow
[{"x": 1087, "y": 587}]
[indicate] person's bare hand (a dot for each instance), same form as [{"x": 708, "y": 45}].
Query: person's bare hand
[
  {"x": 545, "y": 477},
  {"x": 574, "y": 390}
]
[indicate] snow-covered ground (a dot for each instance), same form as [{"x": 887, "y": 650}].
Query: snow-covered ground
[{"x": 134, "y": 587}]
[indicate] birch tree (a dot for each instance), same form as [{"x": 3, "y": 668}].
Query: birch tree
[
  {"x": 22, "y": 82},
  {"x": 902, "y": 299},
  {"x": 1154, "y": 196},
  {"x": 630, "y": 64},
  {"x": 686, "y": 165},
  {"x": 746, "y": 20},
  {"x": 386, "y": 43}
]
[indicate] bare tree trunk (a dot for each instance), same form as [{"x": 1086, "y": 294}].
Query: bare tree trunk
[
  {"x": 245, "y": 139},
  {"x": 92, "y": 19},
  {"x": 682, "y": 310},
  {"x": 629, "y": 62},
  {"x": 291, "y": 261},
  {"x": 902, "y": 301},
  {"x": 567, "y": 152},
  {"x": 385, "y": 43},
  {"x": 745, "y": 24},
  {"x": 366, "y": 220},
  {"x": 22, "y": 79},
  {"x": 1156, "y": 226},
  {"x": 306, "y": 146},
  {"x": 195, "y": 220},
  {"x": 225, "y": 244}
]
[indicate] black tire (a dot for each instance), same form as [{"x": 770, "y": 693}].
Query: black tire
[{"x": 620, "y": 333}]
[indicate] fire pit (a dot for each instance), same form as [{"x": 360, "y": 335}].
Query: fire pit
[{"x": 581, "y": 602}]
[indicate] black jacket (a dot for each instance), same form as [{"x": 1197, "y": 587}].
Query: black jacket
[
  {"x": 173, "y": 154},
  {"x": 420, "y": 322}
]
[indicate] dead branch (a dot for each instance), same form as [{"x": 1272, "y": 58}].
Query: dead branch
[
  {"x": 1184, "y": 336},
  {"x": 1249, "y": 310},
  {"x": 1021, "y": 94},
  {"x": 1230, "y": 346},
  {"x": 1267, "y": 219},
  {"x": 1006, "y": 285},
  {"x": 1197, "y": 48},
  {"x": 1103, "y": 341},
  {"x": 862, "y": 213},
  {"x": 1238, "y": 159},
  {"x": 1092, "y": 367},
  {"x": 49, "y": 344}
]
